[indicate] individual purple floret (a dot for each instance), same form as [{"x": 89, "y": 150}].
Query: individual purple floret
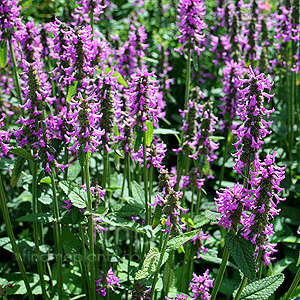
[
  {"x": 191, "y": 14},
  {"x": 107, "y": 281},
  {"x": 254, "y": 128},
  {"x": 9, "y": 18},
  {"x": 200, "y": 285}
]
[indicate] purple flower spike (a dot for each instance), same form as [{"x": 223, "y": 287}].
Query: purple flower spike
[
  {"x": 107, "y": 282},
  {"x": 200, "y": 285},
  {"x": 9, "y": 18},
  {"x": 230, "y": 204},
  {"x": 178, "y": 297},
  {"x": 254, "y": 128},
  {"x": 191, "y": 24}
]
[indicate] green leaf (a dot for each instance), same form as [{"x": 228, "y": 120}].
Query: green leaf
[
  {"x": 21, "y": 152},
  {"x": 212, "y": 215},
  {"x": 195, "y": 61},
  {"x": 83, "y": 157},
  {"x": 165, "y": 131},
  {"x": 242, "y": 252},
  {"x": 71, "y": 91},
  {"x": 125, "y": 210},
  {"x": 74, "y": 170},
  {"x": 150, "y": 264},
  {"x": 18, "y": 286},
  {"x": 138, "y": 137},
  {"x": 97, "y": 213},
  {"x": 138, "y": 193},
  {"x": 262, "y": 289},
  {"x": 3, "y": 53},
  {"x": 17, "y": 171},
  {"x": 179, "y": 240},
  {"x": 6, "y": 164},
  {"x": 149, "y": 133},
  {"x": 37, "y": 217},
  {"x": 157, "y": 216},
  {"x": 75, "y": 193},
  {"x": 70, "y": 242},
  {"x": 120, "y": 78},
  {"x": 200, "y": 220}
]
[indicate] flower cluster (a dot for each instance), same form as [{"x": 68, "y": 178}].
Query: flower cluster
[
  {"x": 142, "y": 102},
  {"x": 191, "y": 24},
  {"x": 254, "y": 128},
  {"x": 200, "y": 285},
  {"x": 9, "y": 18},
  {"x": 107, "y": 281},
  {"x": 169, "y": 200},
  {"x": 198, "y": 243}
]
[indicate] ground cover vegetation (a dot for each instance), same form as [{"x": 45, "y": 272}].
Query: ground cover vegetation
[{"x": 149, "y": 149}]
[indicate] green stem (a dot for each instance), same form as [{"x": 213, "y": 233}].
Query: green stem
[
  {"x": 221, "y": 272},
  {"x": 85, "y": 275},
  {"x": 58, "y": 237},
  {"x": 13, "y": 240},
  {"x": 127, "y": 161},
  {"x": 241, "y": 287},
  {"x": 145, "y": 180},
  {"x": 105, "y": 168},
  {"x": 36, "y": 231},
  {"x": 130, "y": 255},
  {"x": 187, "y": 79},
  {"x": 16, "y": 76},
  {"x": 199, "y": 193},
  {"x": 91, "y": 232},
  {"x": 293, "y": 286},
  {"x": 162, "y": 252}
]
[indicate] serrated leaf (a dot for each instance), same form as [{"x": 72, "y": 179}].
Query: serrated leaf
[
  {"x": 83, "y": 157},
  {"x": 3, "y": 53},
  {"x": 37, "y": 217},
  {"x": 71, "y": 91},
  {"x": 97, "y": 213},
  {"x": 179, "y": 240},
  {"x": 21, "y": 152},
  {"x": 75, "y": 193},
  {"x": 242, "y": 251},
  {"x": 138, "y": 193},
  {"x": 200, "y": 220},
  {"x": 120, "y": 78},
  {"x": 262, "y": 289},
  {"x": 212, "y": 215},
  {"x": 17, "y": 171},
  {"x": 151, "y": 263},
  {"x": 149, "y": 133}
]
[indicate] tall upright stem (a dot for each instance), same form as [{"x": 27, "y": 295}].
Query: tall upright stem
[
  {"x": 187, "y": 79},
  {"x": 58, "y": 238},
  {"x": 293, "y": 286},
  {"x": 145, "y": 180},
  {"x": 162, "y": 252},
  {"x": 13, "y": 242},
  {"x": 40, "y": 265},
  {"x": 91, "y": 233}
]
